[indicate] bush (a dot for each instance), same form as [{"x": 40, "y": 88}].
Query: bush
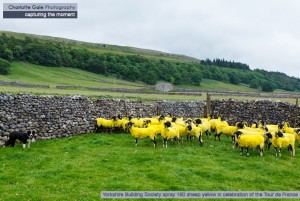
[
  {"x": 267, "y": 86},
  {"x": 4, "y": 67}
]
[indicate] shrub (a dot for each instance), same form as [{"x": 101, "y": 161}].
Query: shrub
[{"x": 4, "y": 67}]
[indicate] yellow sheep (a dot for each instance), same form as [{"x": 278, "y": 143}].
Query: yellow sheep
[
  {"x": 249, "y": 141},
  {"x": 169, "y": 132},
  {"x": 142, "y": 133},
  {"x": 194, "y": 131},
  {"x": 282, "y": 140},
  {"x": 108, "y": 124},
  {"x": 204, "y": 125}
]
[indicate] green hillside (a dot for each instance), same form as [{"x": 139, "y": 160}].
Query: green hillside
[
  {"x": 56, "y": 76},
  {"x": 75, "y": 63},
  {"x": 107, "y": 48}
]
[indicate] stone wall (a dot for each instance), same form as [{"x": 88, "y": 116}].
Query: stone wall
[
  {"x": 271, "y": 112},
  {"x": 58, "y": 116}
]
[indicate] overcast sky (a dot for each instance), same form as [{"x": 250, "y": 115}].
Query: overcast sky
[{"x": 264, "y": 34}]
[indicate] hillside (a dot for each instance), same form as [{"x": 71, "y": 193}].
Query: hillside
[
  {"x": 137, "y": 65},
  {"x": 71, "y": 81},
  {"x": 107, "y": 48}
]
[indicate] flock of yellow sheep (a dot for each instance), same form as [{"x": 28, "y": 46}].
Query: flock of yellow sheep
[{"x": 258, "y": 135}]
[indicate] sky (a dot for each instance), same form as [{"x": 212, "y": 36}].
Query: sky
[{"x": 264, "y": 34}]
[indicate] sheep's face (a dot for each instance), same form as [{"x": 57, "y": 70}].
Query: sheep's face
[
  {"x": 189, "y": 127},
  {"x": 279, "y": 134},
  {"x": 240, "y": 125},
  {"x": 198, "y": 121},
  {"x": 269, "y": 135},
  {"x": 167, "y": 124},
  {"x": 238, "y": 134},
  {"x": 130, "y": 124}
]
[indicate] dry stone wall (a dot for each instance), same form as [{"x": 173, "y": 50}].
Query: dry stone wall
[
  {"x": 64, "y": 116},
  {"x": 271, "y": 112}
]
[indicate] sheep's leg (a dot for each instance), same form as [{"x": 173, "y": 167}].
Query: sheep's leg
[
  {"x": 293, "y": 151},
  {"x": 269, "y": 145},
  {"x": 136, "y": 142},
  {"x": 279, "y": 151},
  {"x": 154, "y": 142},
  {"x": 261, "y": 151},
  {"x": 247, "y": 151},
  {"x": 241, "y": 151},
  {"x": 233, "y": 140},
  {"x": 276, "y": 151},
  {"x": 166, "y": 143},
  {"x": 200, "y": 140}
]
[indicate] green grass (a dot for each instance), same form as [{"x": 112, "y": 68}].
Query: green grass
[
  {"x": 54, "y": 76},
  {"x": 80, "y": 167},
  {"x": 107, "y": 48}
]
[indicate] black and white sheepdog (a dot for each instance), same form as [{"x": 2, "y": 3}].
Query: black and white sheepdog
[{"x": 25, "y": 138}]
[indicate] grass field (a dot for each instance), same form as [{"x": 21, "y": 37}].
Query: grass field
[
  {"x": 54, "y": 76},
  {"x": 80, "y": 167},
  {"x": 106, "y": 48}
]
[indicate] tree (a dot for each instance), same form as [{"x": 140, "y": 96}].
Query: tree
[
  {"x": 4, "y": 67},
  {"x": 255, "y": 83},
  {"x": 267, "y": 86},
  {"x": 234, "y": 78}
]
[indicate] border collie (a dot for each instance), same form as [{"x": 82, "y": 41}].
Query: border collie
[{"x": 25, "y": 138}]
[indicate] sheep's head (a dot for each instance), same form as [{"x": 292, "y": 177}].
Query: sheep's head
[
  {"x": 240, "y": 125},
  {"x": 130, "y": 124},
  {"x": 189, "y": 127},
  {"x": 279, "y": 134},
  {"x": 167, "y": 124},
  {"x": 198, "y": 121},
  {"x": 280, "y": 125},
  {"x": 162, "y": 117},
  {"x": 269, "y": 135},
  {"x": 188, "y": 121},
  {"x": 238, "y": 134},
  {"x": 297, "y": 131},
  {"x": 119, "y": 116},
  {"x": 174, "y": 119},
  {"x": 114, "y": 118}
]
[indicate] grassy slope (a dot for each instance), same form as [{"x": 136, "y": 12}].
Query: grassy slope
[
  {"x": 106, "y": 48},
  {"x": 78, "y": 168},
  {"x": 53, "y": 76},
  {"x": 207, "y": 84}
]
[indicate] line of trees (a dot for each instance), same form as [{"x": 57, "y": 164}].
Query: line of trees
[
  {"x": 225, "y": 64},
  {"x": 139, "y": 68}
]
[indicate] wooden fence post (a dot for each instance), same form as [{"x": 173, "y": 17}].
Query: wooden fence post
[
  {"x": 208, "y": 105},
  {"x": 125, "y": 105}
]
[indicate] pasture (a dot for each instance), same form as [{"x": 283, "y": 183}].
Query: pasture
[
  {"x": 56, "y": 76},
  {"x": 80, "y": 167}
]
